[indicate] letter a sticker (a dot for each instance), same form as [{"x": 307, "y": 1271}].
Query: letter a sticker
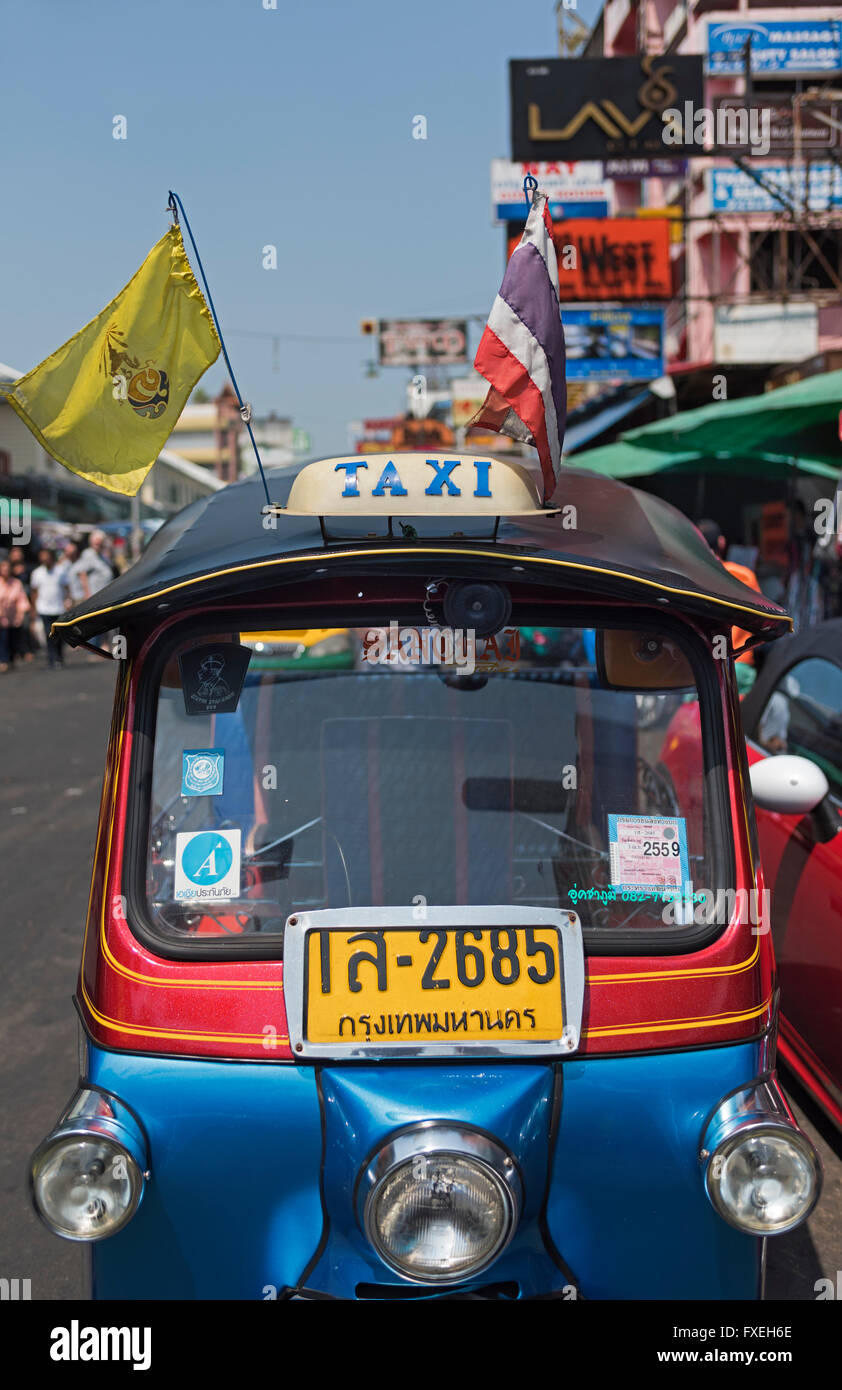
[{"x": 207, "y": 865}]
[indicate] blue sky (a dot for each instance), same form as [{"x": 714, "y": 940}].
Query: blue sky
[{"x": 290, "y": 127}]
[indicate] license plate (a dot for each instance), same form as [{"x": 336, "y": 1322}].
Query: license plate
[{"x": 362, "y": 987}]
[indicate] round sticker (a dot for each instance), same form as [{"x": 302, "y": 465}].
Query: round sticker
[{"x": 207, "y": 858}]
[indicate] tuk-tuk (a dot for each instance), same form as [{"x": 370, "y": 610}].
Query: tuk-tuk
[{"x": 400, "y": 977}]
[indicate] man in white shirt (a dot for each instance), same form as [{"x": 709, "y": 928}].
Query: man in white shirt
[
  {"x": 48, "y": 584},
  {"x": 92, "y": 569},
  {"x": 90, "y": 573}
]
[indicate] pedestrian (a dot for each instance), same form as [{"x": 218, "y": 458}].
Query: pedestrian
[
  {"x": 75, "y": 593},
  {"x": 49, "y": 591},
  {"x": 14, "y": 606},
  {"x": 87, "y": 575},
  {"x": 805, "y": 600},
  {"x": 744, "y": 663},
  {"x": 22, "y": 568},
  {"x": 93, "y": 566}
]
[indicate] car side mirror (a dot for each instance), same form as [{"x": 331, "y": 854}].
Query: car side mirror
[{"x": 795, "y": 787}]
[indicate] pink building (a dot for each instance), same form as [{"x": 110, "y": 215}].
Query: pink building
[{"x": 760, "y": 276}]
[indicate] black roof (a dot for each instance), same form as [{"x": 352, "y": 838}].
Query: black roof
[{"x": 624, "y": 543}]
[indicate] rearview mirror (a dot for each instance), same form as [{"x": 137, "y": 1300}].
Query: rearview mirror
[
  {"x": 527, "y": 794},
  {"x": 787, "y": 784},
  {"x": 631, "y": 660}
]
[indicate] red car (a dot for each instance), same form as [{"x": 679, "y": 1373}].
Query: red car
[
  {"x": 795, "y": 709},
  {"x": 792, "y": 719}
]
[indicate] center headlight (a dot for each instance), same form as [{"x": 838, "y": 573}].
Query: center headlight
[{"x": 442, "y": 1202}]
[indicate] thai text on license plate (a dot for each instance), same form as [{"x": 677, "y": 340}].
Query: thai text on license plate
[{"x": 434, "y": 985}]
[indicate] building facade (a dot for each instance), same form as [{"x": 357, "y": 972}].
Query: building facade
[{"x": 759, "y": 268}]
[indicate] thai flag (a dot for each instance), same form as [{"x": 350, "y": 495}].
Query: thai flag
[{"x": 521, "y": 352}]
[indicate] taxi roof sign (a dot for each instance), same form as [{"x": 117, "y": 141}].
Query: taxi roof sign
[{"x": 420, "y": 484}]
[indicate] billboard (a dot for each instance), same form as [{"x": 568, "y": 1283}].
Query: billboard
[
  {"x": 574, "y": 190},
  {"x": 619, "y": 258},
  {"x": 821, "y": 122},
  {"x": 794, "y": 46},
  {"x": 732, "y": 190},
  {"x": 595, "y": 108},
  {"x": 614, "y": 344},
  {"x": 765, "y": 331},
  {"x": 422, "y": 342},
  {"x": 633, "y": 169}
]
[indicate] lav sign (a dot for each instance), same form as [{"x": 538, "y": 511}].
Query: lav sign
[
  {"x": 389, "y": 480},
  {"x": 414, "y": 484}
]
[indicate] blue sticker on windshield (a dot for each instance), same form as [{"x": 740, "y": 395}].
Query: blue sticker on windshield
[{"x": 202, "y": 771}]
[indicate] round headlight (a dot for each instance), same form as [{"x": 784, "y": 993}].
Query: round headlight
[
  {"x": 436, "y": 1214},
  {"x": 85, "y": 1186},
  {"x": 764, "y": 1179}
]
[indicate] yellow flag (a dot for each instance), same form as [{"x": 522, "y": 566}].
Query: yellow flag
[{"x": 105, "y": 404}]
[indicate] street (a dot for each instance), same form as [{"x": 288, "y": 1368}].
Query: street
[{"x": 54, "y": 728}]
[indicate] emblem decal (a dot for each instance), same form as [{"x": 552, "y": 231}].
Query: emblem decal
[
  {"x": 202, "y": 771},
  {"x": 212, "y": 677}
]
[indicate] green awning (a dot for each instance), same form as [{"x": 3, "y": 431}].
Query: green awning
[
  {"x": 625, "y": 460},
  {"x": 622, "y": 460},
  {"x": 799, "y": 421},
  {"x": 774, "y": 435}
]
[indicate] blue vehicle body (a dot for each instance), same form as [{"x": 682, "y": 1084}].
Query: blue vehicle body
[{"x": 253, "y": 1170}]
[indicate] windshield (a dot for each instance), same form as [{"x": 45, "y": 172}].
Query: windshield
[{"x": 322, "y": 768}]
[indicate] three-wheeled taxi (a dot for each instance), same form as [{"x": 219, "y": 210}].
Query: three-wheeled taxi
[{"x": 409, "y": 973}]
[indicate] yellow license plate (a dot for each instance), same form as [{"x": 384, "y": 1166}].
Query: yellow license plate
[{"x": 433, "y": 985}]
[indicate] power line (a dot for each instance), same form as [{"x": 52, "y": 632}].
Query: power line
[{"x": 291, "y": 337}]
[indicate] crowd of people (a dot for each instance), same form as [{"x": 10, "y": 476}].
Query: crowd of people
[{"x": 38, "y": 585}]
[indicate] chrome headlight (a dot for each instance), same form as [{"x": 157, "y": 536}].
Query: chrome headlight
[
  {"x": 440, "y": 1202},
  {"x": 87, "y": 1177},
  {"x": 762, "y": 1174}
]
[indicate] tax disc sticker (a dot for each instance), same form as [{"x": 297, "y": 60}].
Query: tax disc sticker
[
  {"x": 207, "y": 865},
  {"x": 648, "y": 852},
  {"x": 201, "y": 771}
]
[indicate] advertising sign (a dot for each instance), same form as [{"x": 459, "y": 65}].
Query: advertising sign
[
  {"x": 794, "y": 46},
  {"x": 620, "y": 258},
  {"x": 820, "y": 122},
  {"x": 614, "y": 344},
  {"x": 765, "y": 331},
  {"x": 574, "y": 190},
  {"x": 593, "y": 108},
  {"x": 732, "y": 190},
  {"x": 633, "y": 169},
  {"x": 422, "y": 342}
]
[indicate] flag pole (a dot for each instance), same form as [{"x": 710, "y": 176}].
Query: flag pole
[{"x": 174, "y": 205}]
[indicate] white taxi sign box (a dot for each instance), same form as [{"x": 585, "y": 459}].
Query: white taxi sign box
[{"x": 418, "y": 484}]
